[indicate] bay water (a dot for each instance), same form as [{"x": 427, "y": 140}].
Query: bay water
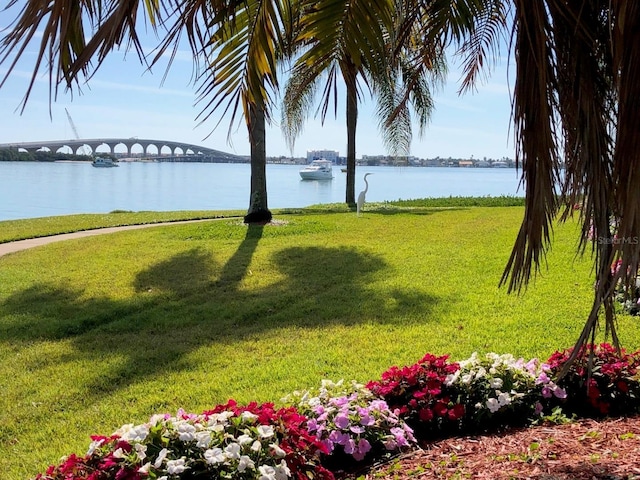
[{"x": 42, "y": 189}]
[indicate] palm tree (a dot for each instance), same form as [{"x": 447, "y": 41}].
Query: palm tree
[
  {"x": 385, "y": 73},
  {"x": 576, "y": 105},
  {"x": 234, "y": 46}
]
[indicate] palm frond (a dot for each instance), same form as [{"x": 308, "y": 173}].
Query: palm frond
[
  {"x": 482, "y": 42},
  {"x": 585, "y": 107},
  {"x": 66, "y": 50},
  {"x": 625, "y": 21},
  {"x": 236, "y": 46},
  {"x": 297, "y": 102},
  {"x": 536, "y": 135}
]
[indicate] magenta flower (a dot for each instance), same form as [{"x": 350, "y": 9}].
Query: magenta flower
[{"x": 342, "y": 421}]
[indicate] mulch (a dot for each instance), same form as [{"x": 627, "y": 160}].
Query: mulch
[{"x": 582, "y": 450}]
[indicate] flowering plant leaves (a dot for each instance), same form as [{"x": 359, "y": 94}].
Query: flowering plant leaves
[
  {"x": 420, "y": 394},
  {"x": 348, "y": 422},
  {"x": 611, "y": 389},
  {"x": 500, "y": 390},
  {"x": 230, "y": 441},
  {"x": 352, "y": 420}
]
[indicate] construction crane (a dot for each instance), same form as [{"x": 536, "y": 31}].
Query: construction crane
[
  {"x": 75, "y": 130},
  {"x": 73, "y": 126}
]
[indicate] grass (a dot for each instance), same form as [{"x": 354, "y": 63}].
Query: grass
[
  {"x": 11, "y": 230},
  {"x": 102, "y": 331}
]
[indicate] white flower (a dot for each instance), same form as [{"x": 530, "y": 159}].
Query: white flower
[
  {"x": 282, "y": 471},
  {"x": 141, "y": 451},
  {"x": 277, "y": 451},
  {"x": 119, "y": 453},
  {"x": 265, "y": 431},
  {"x": 132, "y": 434},
  {"x": 244, "y": 439},
  {"x": 161, "y": 456},
  {"x": 248, "y": 417},
  {"x": 203, "y": 439},
  {"x": 217, "y": 428},
  {"x": 504, "y": 399},
  {"x": 123, "y": 430},
  {"x": 93, "y": 446},
  {"x": 157, "y": 418},
  {"x": 495, "y": 383},
  {"x": 467, "y": 378},
  {"x": 186, "y": 432},
  {"x": 214, "y": 455},
  {"x": 232, "y": 451},
  {"x": 244, "y": 463},
  {"x": 176, "y": 467},
  {"x": 493, "y": 405},
  {"x": 145, "y": 468},
  {"x": 220, "y": 418},
  {"x": 452, "y": 378},
  {"x": 267, "y": 472},
  {"x": 256, "y": 446}
]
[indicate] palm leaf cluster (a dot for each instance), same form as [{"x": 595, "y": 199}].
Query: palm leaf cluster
[{"x": 577, "y": 137}]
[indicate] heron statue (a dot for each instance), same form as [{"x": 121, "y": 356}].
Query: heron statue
[{"x": 363, "y": 194}]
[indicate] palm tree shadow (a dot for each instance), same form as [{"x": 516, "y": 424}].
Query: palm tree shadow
[
  {"x": 180, "y": 275},
  {"x": 189, "y": 300},
  {"x": 337, "y": 285},
  {"x": 237, "y": 266},
  {"x": 52, "y": 312}
]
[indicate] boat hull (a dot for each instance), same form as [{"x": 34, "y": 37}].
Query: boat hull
[
  {"x": 104, "y": 163},
  {"x": 316, "y": 175},
  {"x": 318, "y": 170}
]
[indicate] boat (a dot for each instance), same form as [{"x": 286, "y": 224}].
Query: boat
[
  {"x": 317, "y": 170},
  {"x": 104, "y": 162}
]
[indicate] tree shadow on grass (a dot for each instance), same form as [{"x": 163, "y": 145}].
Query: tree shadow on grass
[{"x": 190, "y": 300}]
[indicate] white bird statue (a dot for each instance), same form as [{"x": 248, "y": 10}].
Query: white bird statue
[{"x": 362, "y": 195}]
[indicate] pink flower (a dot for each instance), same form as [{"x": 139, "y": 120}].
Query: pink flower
[{"x": 342, "y": 421}]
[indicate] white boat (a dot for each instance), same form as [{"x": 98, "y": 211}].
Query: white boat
[
  {"x": 104, "y": 162},
  {"x": 317, "y": 170}
]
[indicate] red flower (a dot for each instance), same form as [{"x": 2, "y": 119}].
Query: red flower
[
  {"x": 440, "y": 409},
  {"x": 456, "y": 412},
  {"x": 425, "y": 414}
]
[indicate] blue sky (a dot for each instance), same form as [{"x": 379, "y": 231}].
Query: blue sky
[{"x": 125, "y": 100}]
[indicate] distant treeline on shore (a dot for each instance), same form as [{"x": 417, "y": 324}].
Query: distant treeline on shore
[{"x": 13, "y": 155}]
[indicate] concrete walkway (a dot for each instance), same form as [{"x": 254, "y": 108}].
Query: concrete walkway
[{"x": 10, "y": 247}]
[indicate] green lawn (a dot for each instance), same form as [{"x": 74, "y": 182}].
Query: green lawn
[
  {"x": 11, "y": 230},
  {"x": 107, "y": 330}
]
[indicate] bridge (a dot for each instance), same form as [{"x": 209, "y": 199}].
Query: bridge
[{"x": 177, "y": 150}]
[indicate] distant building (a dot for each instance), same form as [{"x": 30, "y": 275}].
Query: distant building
[{"x": 331, "y": 155}]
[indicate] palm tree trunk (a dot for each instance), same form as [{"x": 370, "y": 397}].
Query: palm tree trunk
[
  {"x": 258, "y": 210},
  {"x": 352, "y": 121}
]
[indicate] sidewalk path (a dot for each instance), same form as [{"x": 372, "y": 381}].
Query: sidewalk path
[{"x": 10, "y": 247}]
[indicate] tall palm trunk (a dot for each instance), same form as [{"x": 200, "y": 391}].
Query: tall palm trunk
[
  {"x": 258, "y": 210},
  {"x": 350, "y": 76}
]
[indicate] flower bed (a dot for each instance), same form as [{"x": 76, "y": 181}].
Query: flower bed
[{"x": 321, "y": 432}]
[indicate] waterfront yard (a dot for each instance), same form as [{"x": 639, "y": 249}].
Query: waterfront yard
[{"x": 107, "y": 330}]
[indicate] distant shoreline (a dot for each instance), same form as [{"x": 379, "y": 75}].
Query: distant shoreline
[{"x": 160, "y": 160}]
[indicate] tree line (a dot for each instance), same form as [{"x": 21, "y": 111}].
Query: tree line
[{"x": 14, "y": 155}]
